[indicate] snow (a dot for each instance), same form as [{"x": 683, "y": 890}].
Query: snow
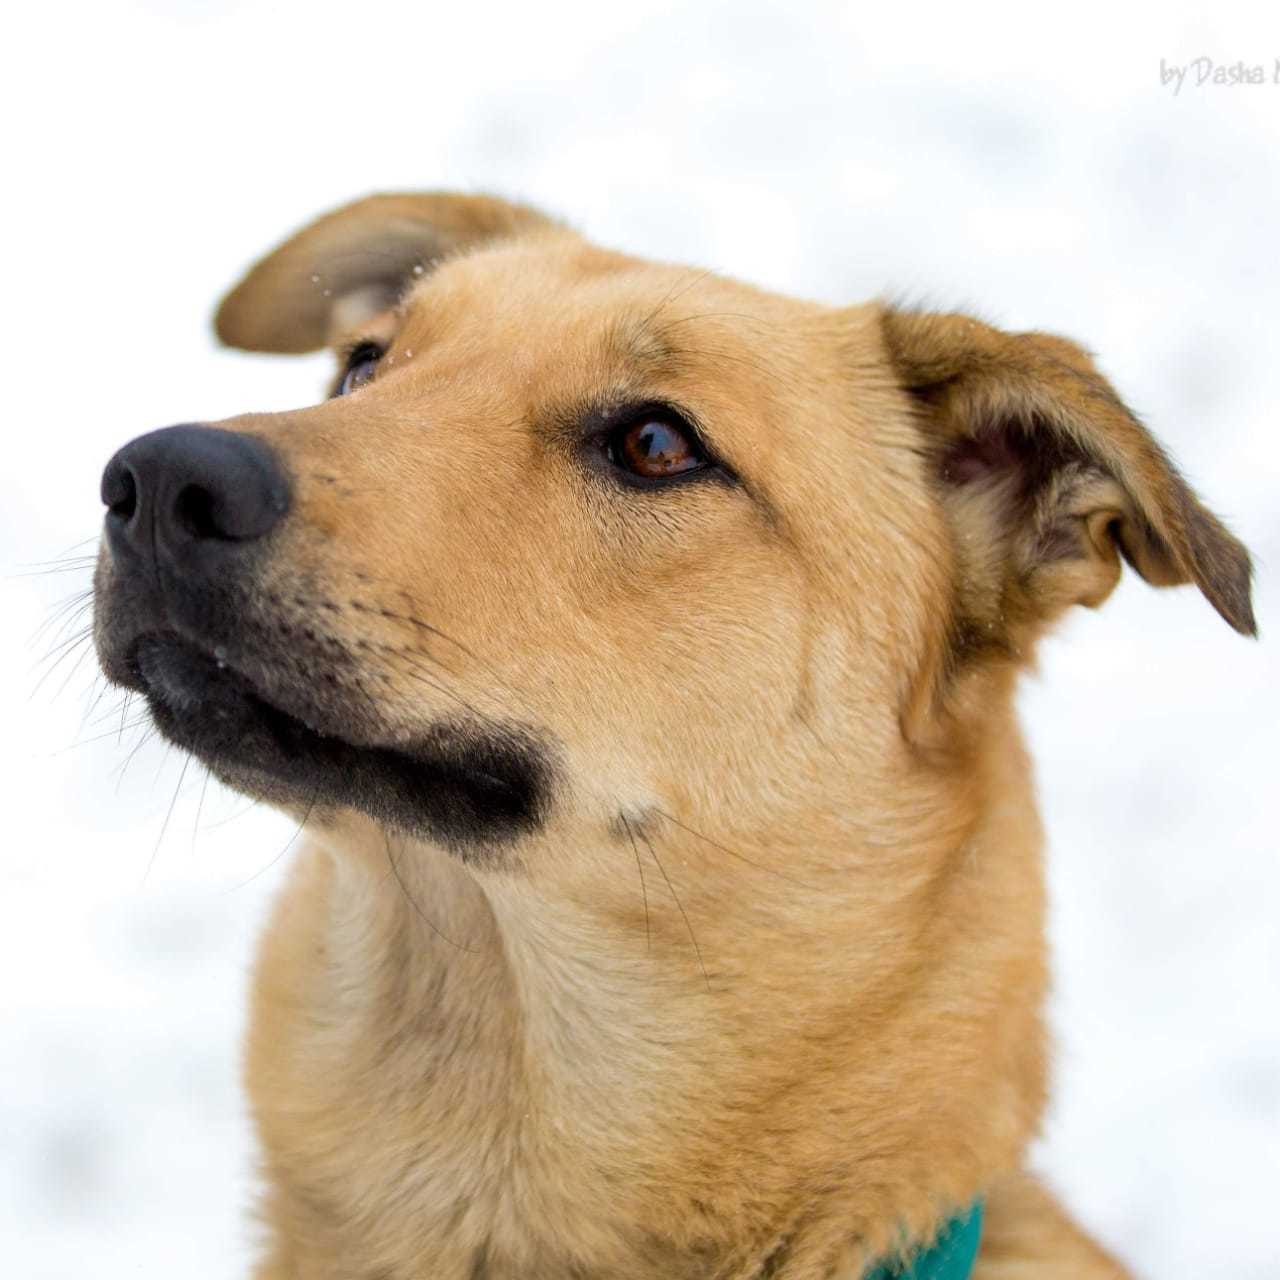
[{"x": 1039, "y": 174}]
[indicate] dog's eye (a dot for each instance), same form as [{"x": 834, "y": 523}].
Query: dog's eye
[
  {"x": 657, "y": 446},
  {"x": 360, "y": 366}
]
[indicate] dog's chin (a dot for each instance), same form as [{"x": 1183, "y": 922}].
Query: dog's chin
[{"x": 467, "y": 785}]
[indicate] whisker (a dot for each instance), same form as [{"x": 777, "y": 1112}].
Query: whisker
[
  {"x": 93, "y": 701},
  {"x": 262, "y": 871},
  {"x": 62, "y": 652},
  {"x": 254, "y": 802},
  {"x": 75, "y": 666},
  {"x": 675, "y": 293},
  {"x": 63, "y": 642},
  {"x": 697, "y": 950},
  {"x": 165, "y": 825},
  {"x": 164, "y": 760},
  {"x": 357, "y": 686},
  {"x": 733, "y": 853},
  {"x": 94, "y": 717},
  {"x": 109, "y": 714},
  {"x": 75, "y": 546},
  {"x": 99, "y": 737},
  {"x": 644, "y": 893},
  {"x": 414, "y": 673},
  {"x": 502, "y": 703},
  {"x": 429, "y": 654},
  {"x": 142, "y": 742},
  {"x": 412, "y": 618},
  {"x": 77, "y": 565},
  {"x": 415, "y": 621},
  {"x": 72, "y": 632},
  {"x": 712, "y": 354},
  {"x": 65, "y": 558},
  {"x": 803, "y": 720},
  {"x": 62, "y": 630},
  {"x": 204, "y": 787},
  {"x": 73, "y": 605},
  {"x": 709, "y": 315},
  {"x": 124, "y": 711},
  {"x": 408, "y": 897}
]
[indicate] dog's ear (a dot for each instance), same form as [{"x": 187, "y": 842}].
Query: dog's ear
[
  {"x": 353, "y": 263},
  {"x": 1047, "y": 478}
]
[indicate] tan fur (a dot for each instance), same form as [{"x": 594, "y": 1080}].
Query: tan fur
[{"x": 763, "y": 996}]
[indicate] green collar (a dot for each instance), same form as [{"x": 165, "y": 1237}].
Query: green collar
[{"x": 950, "y": 1258}]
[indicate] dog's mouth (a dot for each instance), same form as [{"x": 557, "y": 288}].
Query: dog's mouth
[{"x": 461, "y": 783}]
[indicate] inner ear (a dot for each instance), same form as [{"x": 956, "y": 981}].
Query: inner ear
[
  {"x": 1035, "y": 524},
  {"x": 1023, "y": 455},
  {"x": 372, "y": 306},
  {"x": 1041, "y": 482},
  {"x": 1048, "y": 478}
]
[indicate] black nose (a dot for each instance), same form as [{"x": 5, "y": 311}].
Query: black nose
[{"x": 185, "y": 489}]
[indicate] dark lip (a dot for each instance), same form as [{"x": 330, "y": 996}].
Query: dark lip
[
  {"x": 464, "y": 784},
  {"x": 197, "y": 694}
]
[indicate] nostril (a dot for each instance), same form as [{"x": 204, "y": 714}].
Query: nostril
[
  {"x": 120, "y": 493},
  {"x": 179, "y": 488},
  {"x": 195, "y": 511}
]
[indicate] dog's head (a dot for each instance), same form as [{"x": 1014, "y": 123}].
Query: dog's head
[{"x": 578, "y": 534}]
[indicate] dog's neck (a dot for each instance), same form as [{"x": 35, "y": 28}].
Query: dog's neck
[{"x": 568, "y": 1083}]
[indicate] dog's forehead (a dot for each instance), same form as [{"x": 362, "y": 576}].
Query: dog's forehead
[
  {"x": 544, "y": 270},
  {"x": 560, "y": 293}
]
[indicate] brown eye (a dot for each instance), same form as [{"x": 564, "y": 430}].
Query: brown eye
[
  {"x": 360, "y": 366},
  {"x": 655, "y": 448}
]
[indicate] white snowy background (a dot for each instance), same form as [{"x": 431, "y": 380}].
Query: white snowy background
[{"x": 1024, "y": 160}]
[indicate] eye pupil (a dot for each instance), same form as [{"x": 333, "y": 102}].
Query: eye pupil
[{"x": 656, "y": 442}]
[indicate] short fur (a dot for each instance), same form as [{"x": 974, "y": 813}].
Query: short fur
[{"x": 760, "y": 993}]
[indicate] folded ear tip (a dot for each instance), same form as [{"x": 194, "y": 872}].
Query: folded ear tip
[
  {"x": 1238, "y": 613},
  {"x": 1221, "y": 566},
  {"x": 244, "y": 319},
  {"x": 227, "y": 326},
  {"x": 285, "y": 302},
  {"x": 1234, "y": 606},
  {"x": 1242, "y": 617}
]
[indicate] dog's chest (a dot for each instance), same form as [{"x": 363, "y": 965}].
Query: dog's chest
[{"x": 396, "y": 1111}]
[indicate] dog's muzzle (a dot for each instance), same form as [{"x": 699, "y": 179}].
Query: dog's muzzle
[{"x": 190, "y": 611}]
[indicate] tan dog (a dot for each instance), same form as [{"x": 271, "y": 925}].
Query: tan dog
[{"x": 639, "y": 649}]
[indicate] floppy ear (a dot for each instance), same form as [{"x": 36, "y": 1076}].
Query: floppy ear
[
  {"x": 1047, "y": 479},
  {"x": 353, "y": 263}
]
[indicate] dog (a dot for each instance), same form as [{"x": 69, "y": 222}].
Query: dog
[{"x": 637, "y": 651}]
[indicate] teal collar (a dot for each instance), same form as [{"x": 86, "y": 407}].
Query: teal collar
[{"x": 950, "y": 1258}]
